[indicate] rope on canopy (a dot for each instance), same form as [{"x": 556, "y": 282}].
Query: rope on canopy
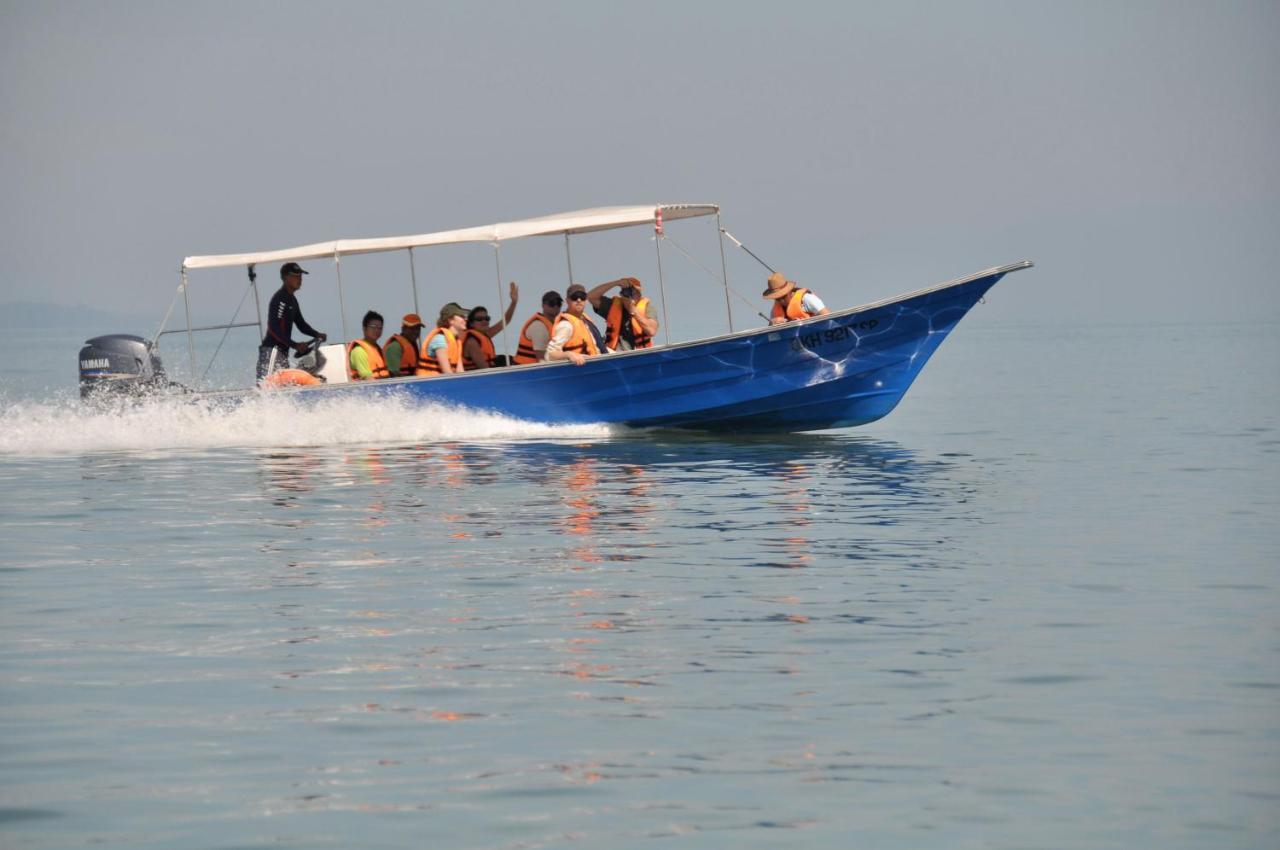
[
  {"x": 252, "y": 287},
  {"x": 713, "y": 276},
  {"x": 167, "y": 313}
]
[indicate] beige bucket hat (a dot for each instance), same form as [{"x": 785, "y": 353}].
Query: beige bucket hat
[{"x": 779, "y": 286}]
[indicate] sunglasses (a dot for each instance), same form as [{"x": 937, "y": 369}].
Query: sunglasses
[
  {"x": 479, "y": 318},
  {"x": 578, "y": 296}
]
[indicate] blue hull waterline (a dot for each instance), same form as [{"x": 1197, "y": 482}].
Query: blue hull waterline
[{"x": 840, "y": 370}]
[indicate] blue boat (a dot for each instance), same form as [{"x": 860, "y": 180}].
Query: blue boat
[{"x": 842, "y": 369}]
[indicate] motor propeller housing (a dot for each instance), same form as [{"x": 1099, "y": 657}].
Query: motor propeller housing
[{"x": 120, "y": 364}]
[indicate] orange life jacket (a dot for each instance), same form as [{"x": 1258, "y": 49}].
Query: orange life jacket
[
  {"x": 408, "y": 355},
  {"x": 795, "y": 306},
  {"x": 525, "y": 352},
  {"x": 376, "y": 364},
  {"x": 582, "y": 340},
  {"x": 427, "y": 363},
  {"x": 290, "y": 378},
  {"x": 613, "y": 324},
  {"x": 487, "y": 350}
]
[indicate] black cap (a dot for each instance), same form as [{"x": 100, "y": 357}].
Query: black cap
[
  {"x": 292, "y": 268},
  {"x": 552, "y": 297}
]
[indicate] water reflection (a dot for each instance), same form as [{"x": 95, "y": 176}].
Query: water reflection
[
  {"x": 509, "y": 620},
  {"x": 793, "y": 509},
  {"x": 635, "y": 491},
  {"x": 577, "y": 488},
  {"x": 287, "y": 475}
]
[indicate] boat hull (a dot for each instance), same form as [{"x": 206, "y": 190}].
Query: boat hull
[{"x": 844, "y": 369}]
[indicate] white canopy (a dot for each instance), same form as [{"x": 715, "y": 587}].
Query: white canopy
[{"x": 579, "y": 221}]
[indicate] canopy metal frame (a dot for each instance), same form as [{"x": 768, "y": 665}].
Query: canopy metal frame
[{"x": 566, "y": 224}]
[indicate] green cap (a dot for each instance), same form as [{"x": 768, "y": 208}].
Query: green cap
[{"x": 453, "y": 308}]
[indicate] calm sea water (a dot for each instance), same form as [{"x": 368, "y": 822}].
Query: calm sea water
[{"x": 1034, "y": 607}]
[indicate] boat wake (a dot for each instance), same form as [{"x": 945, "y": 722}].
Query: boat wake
[{"x": 69, "y": 427}]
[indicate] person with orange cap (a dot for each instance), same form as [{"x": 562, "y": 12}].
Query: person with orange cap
[
  {"x": 791, "y": 302},
  {"x": 401, "y": 350}
]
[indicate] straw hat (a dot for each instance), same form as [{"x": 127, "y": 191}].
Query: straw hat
[{"x": 779, "y": 286}]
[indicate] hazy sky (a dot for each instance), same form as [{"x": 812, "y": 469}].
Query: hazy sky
[{"x": 1128, "y": 148}]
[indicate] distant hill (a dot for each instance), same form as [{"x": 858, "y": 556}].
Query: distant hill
[{"x": 40, "y": 314}]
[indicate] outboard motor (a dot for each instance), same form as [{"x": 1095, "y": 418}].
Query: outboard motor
[{"x": 120, "y": 365}]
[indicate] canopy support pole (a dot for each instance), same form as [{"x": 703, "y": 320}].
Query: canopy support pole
[
  {"x": 182, "y": 284},
  {"x": 568, "y": 258},
  {"x": 342, "y": 304},
  {"x": 662, "y": 289},
  {"x": 257, "y": 299},
  {"x": 191, "y": 346},
  {"x": 413, "y": 276},
  {"x": 724, "y": 273},
  {"x": 502, "y": 306}
]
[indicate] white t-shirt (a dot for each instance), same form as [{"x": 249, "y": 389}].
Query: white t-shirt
[
  {"x": 812, "y": 303},
  {"x": 538, "y": 336},
  {"x": 563, "y": 333}
]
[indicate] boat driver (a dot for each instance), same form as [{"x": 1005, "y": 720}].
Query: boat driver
[
  {"x": 282, "y": 314},
  {"x": 791, "y": 302}
]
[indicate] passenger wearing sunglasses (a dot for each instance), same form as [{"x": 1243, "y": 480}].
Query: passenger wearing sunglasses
[
  {"x": 477, "y": 345},
  {"x": 572, "y": 339}
]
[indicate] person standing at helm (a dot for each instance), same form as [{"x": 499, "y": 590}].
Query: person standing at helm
[
  {"x": 790, "y": 302},
  {"x": 571, "y": 340},
  {"x": 364, "y": 356},
  {"x": 442, "y": 349},
  {"x": 401, "y": 350},
  {"x": 478, "y": 351},
  {"x": 282, "y": 314},
  {"x": 536, "y": 332},
  {"x": 629, "y": 318}
]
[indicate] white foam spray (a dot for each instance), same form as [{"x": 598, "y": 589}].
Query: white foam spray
[{"x": 45, "y": 427}]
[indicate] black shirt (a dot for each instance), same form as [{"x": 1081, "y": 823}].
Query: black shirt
[{"x": 282, "y": 314}]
